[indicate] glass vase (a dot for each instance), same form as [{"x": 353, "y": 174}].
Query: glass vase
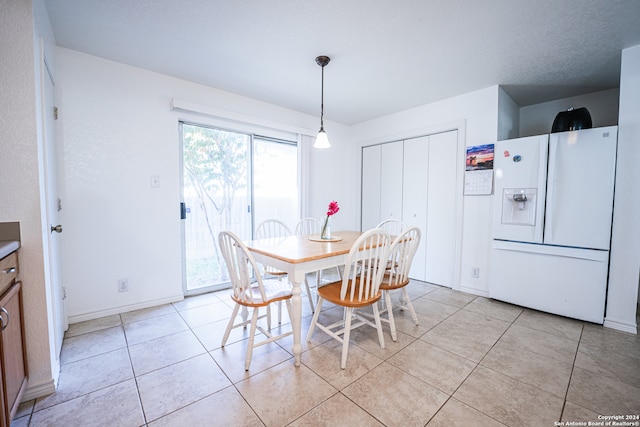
[{"x": 325, "y": 234}]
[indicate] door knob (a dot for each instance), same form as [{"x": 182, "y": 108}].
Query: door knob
[{"x": 57, "y": 228}]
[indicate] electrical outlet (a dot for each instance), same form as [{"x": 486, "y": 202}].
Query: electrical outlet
[
  {"x": 123, "y": 285},
  {"x": 475, "y": 272}
]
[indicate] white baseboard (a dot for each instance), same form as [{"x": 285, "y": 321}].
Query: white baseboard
[
  {"x": 621, "y": 325},
  {"x": 473, "y": 291},
  {"x": 124, "y": 309},
  {"x": 33, "y": 391}
]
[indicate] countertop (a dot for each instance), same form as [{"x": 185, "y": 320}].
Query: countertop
[{"x": 8, "y": 246}]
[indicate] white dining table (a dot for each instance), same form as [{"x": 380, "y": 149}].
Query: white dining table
[{"x": 297, "y": 256}]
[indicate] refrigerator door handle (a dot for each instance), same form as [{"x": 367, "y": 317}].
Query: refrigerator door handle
[{"x": 551, "y": 190}]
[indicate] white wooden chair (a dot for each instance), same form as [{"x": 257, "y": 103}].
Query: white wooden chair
[
  {"x": 308, "y": 226},
  {"x": 401, "y": 253},
  {"x": 358, "y": 288},
  {"x": 249, "y": 294},
  {"x": 392, "y": 226},
  {"x": 273, "y": 229}
]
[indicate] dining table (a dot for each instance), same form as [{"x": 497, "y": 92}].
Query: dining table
[{"x": 297, "y": 256}]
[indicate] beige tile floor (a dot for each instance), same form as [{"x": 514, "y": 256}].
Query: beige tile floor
[{"x": 472, "y": 361}]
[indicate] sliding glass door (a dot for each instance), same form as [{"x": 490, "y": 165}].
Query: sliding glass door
[
  {"x": 275, "y": 181},
  {"x": 231, "y": 181}
]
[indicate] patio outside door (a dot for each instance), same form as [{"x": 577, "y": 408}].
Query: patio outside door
[{"x": 231, "y": 181}]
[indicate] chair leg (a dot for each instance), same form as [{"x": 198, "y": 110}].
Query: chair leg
[
  {"x": 230, "y": 325},
  {"x": 269, "y": 317},
  {"x": 245, "y": 315},
  {"x": 392, "y": 323},
  {"x": 306, "y": 284},
  {"x": 279, "y": 312},
  {"x": 408, "y": 304},
  {"x": 252, "y": 334},
  {"x": 403, "y": 300},
  {"x": 314, "y": 320},
  {"x": 345, "y": 338},
  {"x": 376, "y": 316}
]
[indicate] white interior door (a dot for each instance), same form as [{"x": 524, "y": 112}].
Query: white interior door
[
  {"x": 442, "y": 190},
  {"x": 391, "y": 181},
  {"x": 370, "y": 216},
  {"x": 414, "y": 200},
  {"x": 54, "y": 207}
]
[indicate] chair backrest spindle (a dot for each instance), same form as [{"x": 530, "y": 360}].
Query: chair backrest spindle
[
  {"x": 363, "y": 268},
  {"x": 393, "y": 227},
  {"x": 308, "y": 226},
  {"x": 272, "y": 228},
  {"x": 401, "y": 253},
  {"x": 240, "y": 264}
]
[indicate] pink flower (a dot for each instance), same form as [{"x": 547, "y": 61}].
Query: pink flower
[{"x": 333, "y": 208}]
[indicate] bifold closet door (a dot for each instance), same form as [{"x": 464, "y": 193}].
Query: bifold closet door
[
  {"x": 391, "y": 181},
  {"x": 414, "y": 200},
  {"x": 417, "y": 179},
  {"x": 442, "y": 190},
  {"x": 371, "y": 171}
]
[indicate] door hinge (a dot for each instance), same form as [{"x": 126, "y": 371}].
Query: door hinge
[
  {"x": 59, "y": 204},
  {"x": 55, "y": 113},
  {"x": 64, "y": 293}
]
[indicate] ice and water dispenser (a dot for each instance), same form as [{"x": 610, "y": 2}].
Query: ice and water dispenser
[{"x": 519, "y": 206}]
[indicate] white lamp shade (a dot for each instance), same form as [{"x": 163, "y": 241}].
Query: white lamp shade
[{"x": 322, "y": 141}]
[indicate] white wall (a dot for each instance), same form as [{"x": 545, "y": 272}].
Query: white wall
[
  {"x": 476, "y": 116},
  {"x": 21, "y": 26},
  {"x": 624, "y": 273},
  {"x": 508, "y": 117},
  {"x": 118, "y": 130},
  {"x": 603, "y": 108}
]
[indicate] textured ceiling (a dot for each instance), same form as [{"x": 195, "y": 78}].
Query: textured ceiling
[{"x": 386, "y": 56}]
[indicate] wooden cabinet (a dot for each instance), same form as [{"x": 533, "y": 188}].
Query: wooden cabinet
[
  {"x": 13, "y": 360},
  {"x": 416, "y": 180}
]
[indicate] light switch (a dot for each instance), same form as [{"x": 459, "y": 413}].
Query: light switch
[{"x": 155, "y": 181}]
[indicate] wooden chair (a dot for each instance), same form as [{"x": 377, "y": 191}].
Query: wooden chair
[
  {"x": 273, "y": 229},
  {"x": 308, "y": 226},
  {"x": 401, "y": 253},
  {"x": 392, "y": 226},
  {"x": 358, "y": 288},
  {"x": 249, "y": 294}
]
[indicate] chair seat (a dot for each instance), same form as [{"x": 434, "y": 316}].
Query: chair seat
[
  {"x": 274, "y": 290},
  {"x": 331, "y": 292},
  {"x": 386, "y": 286}
]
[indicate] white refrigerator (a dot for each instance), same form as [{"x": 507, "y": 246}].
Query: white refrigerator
[{"x": 553, "y": 206}]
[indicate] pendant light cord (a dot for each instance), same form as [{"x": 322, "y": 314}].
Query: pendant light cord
[{"x": 322, "y": 101}]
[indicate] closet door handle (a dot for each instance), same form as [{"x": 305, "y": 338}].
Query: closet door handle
[{"x": 4, "y": 326}]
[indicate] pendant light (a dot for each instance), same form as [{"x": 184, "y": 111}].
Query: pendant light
[{"x": 321, "y": 140}]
